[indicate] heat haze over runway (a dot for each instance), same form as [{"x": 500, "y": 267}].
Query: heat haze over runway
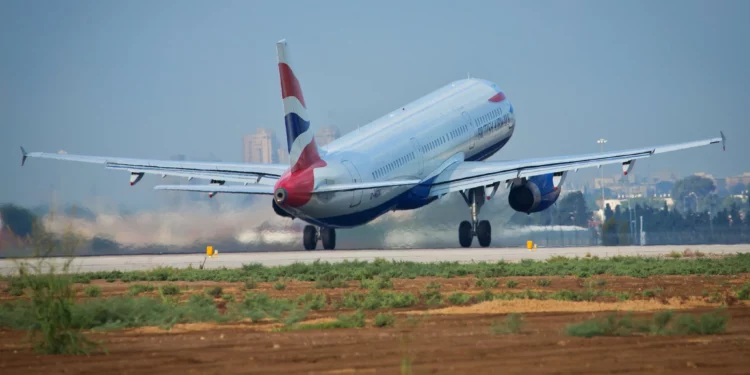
[{"x": 234, "y": 260}]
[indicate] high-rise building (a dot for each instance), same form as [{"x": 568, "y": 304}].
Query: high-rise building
[
  {"x": 261, "y": 147},
  {"x": 326, "y": 135}
]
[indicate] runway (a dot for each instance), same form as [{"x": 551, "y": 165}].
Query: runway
[{"x": 235, "y": 260}]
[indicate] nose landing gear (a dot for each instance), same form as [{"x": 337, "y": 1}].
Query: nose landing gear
[
  {"x": 311, "y": 235},
  {"x": 481, "y": 229}
]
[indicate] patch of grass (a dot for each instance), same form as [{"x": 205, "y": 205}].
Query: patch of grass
[
  {"x": 511, "y": 283},
  {"x": 137, "y": 289},
  {"x": 92, "y": 291},
  {"x": 459, "y": 298},
  {"x": 544, "y": 282},
  {"x": 611, "y": 325},
  {"x": 312, "y": 301},
  {"x": 650, "y": 293},
  {"x": 358, "y": 270},
  {"x": 228, "y": 297},
  {"x": 487, "y": 283},
  {"x": 295, "y": 315},
  {"x": 376, "y": 283},
  {"x": 598, "y": 283},
  {"x": 705, "y": 324},
  {"x": 331, "y": 284},
  {"x": 169, "y": 290},
  {"x": 662, "y": 323},
  {"x": 279, "y": 285},
  {"x": 354, "y": 320},
  {"x": 384, "y": 320},
  {"x": 743, "y": 293},
  {"x": 250, "y": 283},
  {"x": 512, "y": 324},
  {"x": 376, "y": 299},
  {"x": 258, "y": 306},
  {"x": 485, "y": 295},
  {"x": 15, "y": 287},
  {"x": 431, "y": 294},
  {"x": 674, "y": 254},
  {"x": 215, "y": 292}
]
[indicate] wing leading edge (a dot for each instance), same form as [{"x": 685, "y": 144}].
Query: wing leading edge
[{"x": 466, "y": 175}]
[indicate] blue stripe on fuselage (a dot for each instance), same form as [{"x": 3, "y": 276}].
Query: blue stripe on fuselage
[{"x": 295, "y": 126}]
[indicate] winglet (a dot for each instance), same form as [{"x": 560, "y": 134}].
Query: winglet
[
  {"x": 24, "y": 156},
  {"x": 723, "y": 141}
]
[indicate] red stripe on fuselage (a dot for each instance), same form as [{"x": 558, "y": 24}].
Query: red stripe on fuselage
[
  {"x": 300, "y": 179},
  {"x": 499, "y": 97},
  {"x": 290, "y": 84}
]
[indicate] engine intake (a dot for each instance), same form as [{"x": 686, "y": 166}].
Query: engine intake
[{"x": 525, "y": 197}]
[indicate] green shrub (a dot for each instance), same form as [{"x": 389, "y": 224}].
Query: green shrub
[
  {"x": 228, "y": 297},
  {"x": 384, "y": 320},
  {"x": 612, "y": 325},
  {"x": 706, "y": 324},
  {"x": 215, "y": 292},
  {"x": 650, "y": 293},
  {"x": 279, "y": 286},
  {"x": 487, "y": 283},
  {"x": 512, "y": 324},
  {"x": 377, "y": 283},
  {"x": 674, "y": 254},
  {"x": 312, "y": 301},
  {"x": 511, "y": 283},
  {"x": 332, "y": 283},
  {"x": 250, "y": 283},
  {"x": 431, "y": 294},
  {"x": 295, "y": 315},
  {"x": 93, "y": 291},
  {"x": 662, "y": 323},
  {"x": 485, "y": 295},
  {"x": 257, "y": 306},
  {"x": 169, "y": 290},
  {"x": 544, "y": 282},
  {"x": 137, "y": 289},
  {"x": 743, "y": 293},
  {"x": 459, "y": 298},
  {"x": 354, "y": 320}
]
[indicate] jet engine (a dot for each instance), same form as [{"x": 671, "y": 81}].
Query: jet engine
[
  {"x": 280, "y": 211},
  {"x": 536, "y": 193}
]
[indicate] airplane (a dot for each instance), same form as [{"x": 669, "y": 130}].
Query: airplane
[{"x": 407, "y": 159}]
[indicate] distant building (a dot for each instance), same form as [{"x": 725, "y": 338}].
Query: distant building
[
  {"x": 326, "y": 135},
  {"x": 261, "y": 147},
  {"x": 741, "y": 179}
]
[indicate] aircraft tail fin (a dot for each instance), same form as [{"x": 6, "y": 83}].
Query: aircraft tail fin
[{"x": 303, "y": 151}]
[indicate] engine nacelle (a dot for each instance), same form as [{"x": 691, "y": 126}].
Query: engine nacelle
[
  {"x": 280, "y": 211},
  {"x": 535, "y": 194}
]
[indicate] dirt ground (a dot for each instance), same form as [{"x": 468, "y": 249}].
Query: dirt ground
[{"x": 447, "y": 340}]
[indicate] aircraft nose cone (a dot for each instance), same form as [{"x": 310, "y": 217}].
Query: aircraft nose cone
[{"x": 280, "y": 195}]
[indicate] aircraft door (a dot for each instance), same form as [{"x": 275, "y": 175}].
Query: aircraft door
[
  {"x": 418, "y": 155},
  {"x": 356, "y": 194},
  {"x": 472, "y": 129}
]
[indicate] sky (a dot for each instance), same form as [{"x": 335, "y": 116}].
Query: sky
[{"x": 154, "y": 79}]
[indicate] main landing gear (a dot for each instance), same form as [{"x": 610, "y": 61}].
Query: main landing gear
[
  {"x": 481, "y": 229},
  {"x": 311, "y": 235}
]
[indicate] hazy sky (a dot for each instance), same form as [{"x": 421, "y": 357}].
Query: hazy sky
[{"x": 157, "y": 78}]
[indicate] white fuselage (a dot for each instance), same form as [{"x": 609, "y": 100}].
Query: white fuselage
[{"x": 469, "y": 116}]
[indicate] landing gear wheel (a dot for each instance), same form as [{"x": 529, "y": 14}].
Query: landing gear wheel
[
  {"x": 464, "y": 234},
  {"x": 484, "y": 233},
  {"x": 310, "y": 237},
  {"x": 328, "y": 237}
]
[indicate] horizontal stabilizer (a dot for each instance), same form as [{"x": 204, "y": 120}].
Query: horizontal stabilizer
[{"x": 236, "y": 189}]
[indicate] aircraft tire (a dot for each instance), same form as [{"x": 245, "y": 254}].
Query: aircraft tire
[
  {"x": 310, "y": 237},
  {"x": 484, "y": 233},
  {"x": 464, "y": 234},
  {"x": 328, "y": 237}
]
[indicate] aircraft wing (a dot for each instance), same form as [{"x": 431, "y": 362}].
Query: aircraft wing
[
  {"x": 221, "y": 172},
  {"x": 466, "y": 175}
]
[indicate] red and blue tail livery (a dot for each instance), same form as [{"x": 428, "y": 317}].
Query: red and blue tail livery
[{"x": 303, "y": 151}]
